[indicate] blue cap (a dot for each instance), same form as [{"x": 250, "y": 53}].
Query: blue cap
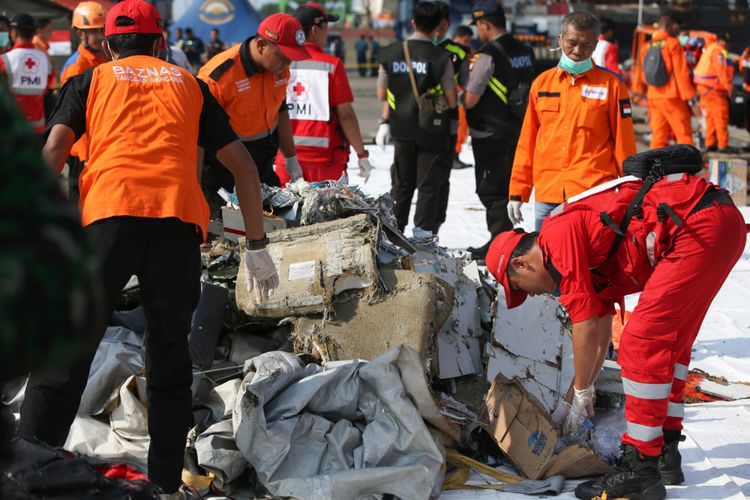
[
  {"x": 486, "y": 8},
  {"x": 22, "y": 20}
]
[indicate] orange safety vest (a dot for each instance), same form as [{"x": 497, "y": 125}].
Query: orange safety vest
[
  {"x": 714, "y": 70},
  {"x": 142, "y": 119}
]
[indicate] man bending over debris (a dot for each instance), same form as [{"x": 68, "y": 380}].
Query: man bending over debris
[
  {"x": 623, "y": 238},
  {"x": 141, "y": 202}
]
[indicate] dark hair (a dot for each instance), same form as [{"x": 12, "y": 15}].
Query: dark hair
[
  {"x": 426, "y": 16},
  {"x": 25, "y": 32},
  {"x": 5, "y": 20},
  {"x": 606, "y": 24},
  {"x": 216, "y": 30},
  {"x": 581, "y": 21},
  {"x": 524, "y": 246},
  {"x": 464, "y": 31},
  {"x": 445, "y": 10},
  {"x": 42, "y": 23},
  {"x": 497, "y": 19},
  {"x": 188, "y": 30},
  {"x": 132, "y": 42},
  {"x": 670, "y": 17}
]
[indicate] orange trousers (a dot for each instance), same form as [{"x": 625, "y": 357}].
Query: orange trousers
[
  {"x": 463, "y": 129},
  {"x": 715, "y": 109},
  {"x": 666, "y": 115}
]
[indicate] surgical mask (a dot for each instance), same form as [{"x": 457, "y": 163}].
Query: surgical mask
[
  {"x": 574, "y": 67},
  {"x": 684, "y": 39},
  {"x": 4, "y": 38},
  {"x": 438, "y": 42}
]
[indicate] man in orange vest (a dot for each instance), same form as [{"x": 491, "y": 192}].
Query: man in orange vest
[
  {"x": 670, "y": 103},
  {"x": 319, "y": 101},
  {"x": 249, "y": 81},
  {"x": 142, "y": 204},
  {"x": 744, "y": 65},
  {"x": 88, "y": 23},
  {"x": 713, "y": 80}
]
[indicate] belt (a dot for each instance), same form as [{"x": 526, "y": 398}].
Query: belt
[{"x": 713, "y": 197}]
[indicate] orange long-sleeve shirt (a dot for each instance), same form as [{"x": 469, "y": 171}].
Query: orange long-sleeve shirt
[
  {"x": 744, "y": 66},
  {"x": 679, "y": 85},
  {"x": 576, "y": 133},
  {"x": 714, "y": 70}
]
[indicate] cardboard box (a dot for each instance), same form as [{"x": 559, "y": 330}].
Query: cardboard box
[
  {"x": 730, "y": 174},
  {"x": 234, "y": 226},
  {"x": 525, "y": 432}
]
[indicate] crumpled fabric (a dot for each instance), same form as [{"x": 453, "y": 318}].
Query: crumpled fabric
[
  {"x": 343, "y": 431},
  {"x": 218, "y": 453}
]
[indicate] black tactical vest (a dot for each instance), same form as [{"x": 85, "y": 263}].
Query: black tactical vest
[
  {"x": 491, "y": 114},
  {"x": 429, "y": 63}
]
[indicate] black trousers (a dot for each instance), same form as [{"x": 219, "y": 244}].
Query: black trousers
[
  {"x": 747, "y": 109},
  {"x": 418, "y": 167},
  {"x": 493, "y": 159},
  {"x": 75, "y": 167},
  {"x": 164, "y": 254},
  {"x": 445, "y": 190}
]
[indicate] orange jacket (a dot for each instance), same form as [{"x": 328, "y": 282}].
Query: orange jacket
[
  {"x": 744, "y": 66},
  {"x": 142, "y": 119},
  {"x": 575, "y": 135},
  {"x": 251, "y": 98},
  {"x": 80, "y": 61},
  {"x": 679, "y": 85},
  {"x": 714, "y": 70}
]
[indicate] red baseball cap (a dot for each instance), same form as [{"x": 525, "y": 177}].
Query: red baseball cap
[
  {"x": 497, "y": 260},
  {"x": 286, "y": 32},
  {"x": 133, "y": 16}
]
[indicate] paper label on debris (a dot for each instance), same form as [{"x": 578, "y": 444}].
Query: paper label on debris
[{"x": 301, "y": 270}]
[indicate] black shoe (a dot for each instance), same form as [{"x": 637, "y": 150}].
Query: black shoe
[
  {"x": 636, "y": 477},
  {"x": 729, "y": 150},
  {"x": 481, "y": 252},
  {"x": 458, "y": 164},
  {"x": 711, "y": 149},
  {"x": 670, "y": 461}
]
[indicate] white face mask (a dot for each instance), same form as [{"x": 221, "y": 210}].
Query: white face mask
[{"x": 4, "y": 39}]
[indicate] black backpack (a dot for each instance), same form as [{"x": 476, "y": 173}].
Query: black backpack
[
  {"x": 654, "y": 68},
  {"x": 518, "y": 97},
  {"x": 652, "y": 166}
]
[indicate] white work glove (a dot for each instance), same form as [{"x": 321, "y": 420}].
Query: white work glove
[
  {"x": 581, "y": 408},
  {"x": 383, "y": 136},
  {"x": 260, "y": 273},
  {"x": 292, "y": 168},
  {"x": 364, "y": 168},
  {"x": 514, "y": 212}
]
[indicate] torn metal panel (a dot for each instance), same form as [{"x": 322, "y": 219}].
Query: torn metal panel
[
  {"x": 458, "y": 341},
  {"x": 315, "y": 263},
  {"x": 729, "y": 392},
  {"x": 359, "y": 328},
  {"x": 531, "y": 343}
]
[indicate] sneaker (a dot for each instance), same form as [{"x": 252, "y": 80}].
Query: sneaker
[
  {"x": 670, "y": 461},
  {"x": 479, "y": 253},
  {"x": 729, "y": 150},
  {"x": 458, "y": 164},
  {"x": 636, "y": 477},
  {"x": 711, "y": 149}
]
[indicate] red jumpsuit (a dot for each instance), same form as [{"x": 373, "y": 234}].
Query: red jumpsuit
[{"x": 690, "y": 263}]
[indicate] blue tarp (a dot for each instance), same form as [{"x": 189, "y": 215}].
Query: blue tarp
[{"x": 235, "y": 19}]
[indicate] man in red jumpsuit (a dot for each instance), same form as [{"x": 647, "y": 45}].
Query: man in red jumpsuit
[{"x": 678, "y": 255}]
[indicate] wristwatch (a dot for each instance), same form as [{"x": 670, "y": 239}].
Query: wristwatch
[
  {"x": 256, "y": 244},
  {"x": 365, "y": 154}
]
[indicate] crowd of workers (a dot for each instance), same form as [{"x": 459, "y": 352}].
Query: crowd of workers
[{"x": 279, "y": 104}]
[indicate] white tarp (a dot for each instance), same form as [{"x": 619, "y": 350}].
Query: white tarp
[{"x": 344, "y": 431}]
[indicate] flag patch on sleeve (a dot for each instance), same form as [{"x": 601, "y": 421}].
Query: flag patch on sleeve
[{"x": 626, "y": 111}]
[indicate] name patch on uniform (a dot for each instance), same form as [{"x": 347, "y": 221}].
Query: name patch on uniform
[
  {"x": 279, "y": 83},
  {"x": 243, "y": 85},
  {"x": 521, "y": 62},
  {"x": 625, "y": 110},
  {"x": 594, "y": 92},
  {"x": 419, "y": 67},
  {"x": 307, "y": 95},
  {"x": 142, "y": 75}
]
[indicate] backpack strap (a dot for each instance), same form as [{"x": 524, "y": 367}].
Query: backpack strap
[{"x": 634, "y": 210}]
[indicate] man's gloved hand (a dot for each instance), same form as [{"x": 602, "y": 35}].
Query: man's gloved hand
[
  {"x": 293, "y": 168},
  {"x": 581, "y": 407},
  {"x": 260, "y": 273},
  {"x": 364, "y": 168},
  {"x": 514, "y": 212},
  {"x": 383, "y": 136}
]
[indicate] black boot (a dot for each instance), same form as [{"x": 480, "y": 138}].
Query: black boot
[
  {"x": 636, "y": 477},
  {"x": 480, "y": 252},
  {"x": 670, "y": 461}
]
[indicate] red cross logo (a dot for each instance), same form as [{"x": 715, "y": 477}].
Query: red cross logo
[
  {"x": 30, "y": 63},
  {"x": 299, "y": 89}
]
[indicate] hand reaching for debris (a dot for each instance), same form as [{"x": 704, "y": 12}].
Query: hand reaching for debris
[
  {"x": 581, "y": 407},
  {"x": 293, "y": 168},
  {"x": 260, "y": 273},
  {"x": 364, "y": 168}
]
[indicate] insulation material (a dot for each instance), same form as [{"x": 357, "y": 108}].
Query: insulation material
[
  {"x": 362, "y": 328},
  {"x": 349, "y": 430},
  {"x": 315, "y": 263},
  {"x": 458, "y": 341},
  {"x": 531, "y": 343}
]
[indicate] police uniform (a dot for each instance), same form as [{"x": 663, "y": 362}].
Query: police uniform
[
  {"x": 419, "y": 156},
  {"x": 458, "y": 55},
  {"x": 493, "y": 73}
]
